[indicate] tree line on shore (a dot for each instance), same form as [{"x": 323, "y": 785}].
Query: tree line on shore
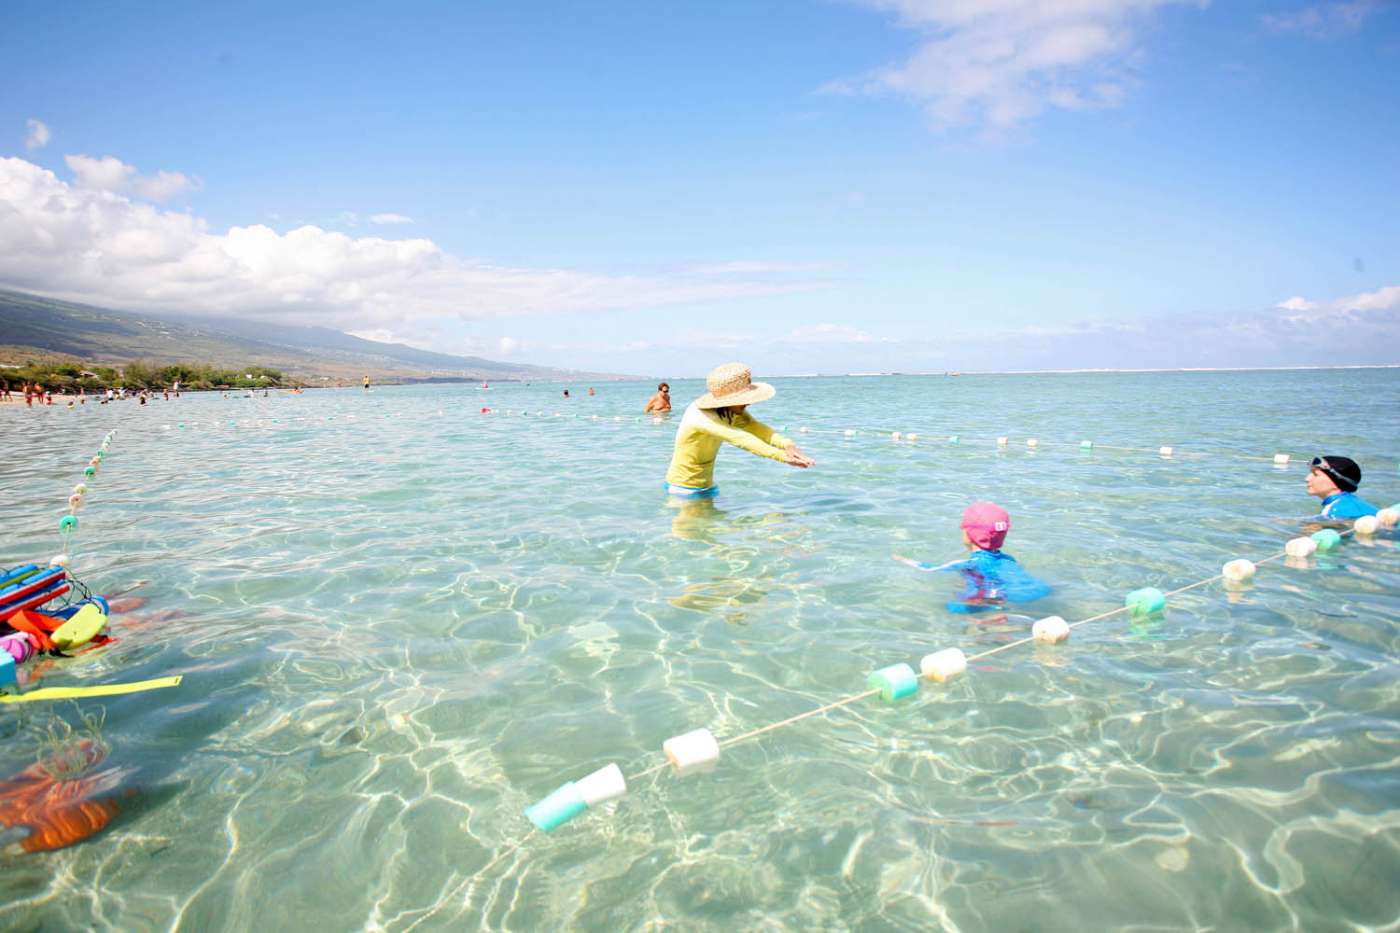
[{"x": 138, "y": 374}]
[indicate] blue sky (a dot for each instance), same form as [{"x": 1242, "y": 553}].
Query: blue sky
[{"x": 871, "y": 185}]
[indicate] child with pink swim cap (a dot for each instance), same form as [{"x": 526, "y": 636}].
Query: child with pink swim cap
[{"x": 991, "y": 577}]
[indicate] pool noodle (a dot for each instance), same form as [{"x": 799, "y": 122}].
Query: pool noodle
[
  {"x": 13, "y": 577},
  {"x": 27, "y": 589},
  {"x": 105, "y": 690},
  {"x": 33, "y": 601}
]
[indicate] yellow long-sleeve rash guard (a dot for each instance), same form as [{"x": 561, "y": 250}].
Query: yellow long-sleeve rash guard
[{"x": 702, "y": 432}]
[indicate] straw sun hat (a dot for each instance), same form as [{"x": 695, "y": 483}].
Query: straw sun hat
[{"x": 732, "y": 384}]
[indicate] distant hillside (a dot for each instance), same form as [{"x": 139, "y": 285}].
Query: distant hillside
[{"x": 34, "y": 326}]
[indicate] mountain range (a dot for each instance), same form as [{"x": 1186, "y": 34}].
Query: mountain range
[{"x": 34, "y": 326}]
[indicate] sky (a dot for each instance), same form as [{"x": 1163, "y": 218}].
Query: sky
[{"x": 826, "y": 186}]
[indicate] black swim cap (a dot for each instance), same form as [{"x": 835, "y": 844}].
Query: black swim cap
[{"x": 1343, "y": 471}]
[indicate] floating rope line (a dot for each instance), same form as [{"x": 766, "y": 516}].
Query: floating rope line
[
  {"x": 68, "y": 524},
  {"x": 912, "y": 438},
  {"x": 699, "y": 750}
]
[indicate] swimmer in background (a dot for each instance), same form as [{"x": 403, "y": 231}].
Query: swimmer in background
[
  {"x": 719, "y": 417},
  {"x": 1334, "y": 479},
  {"x": 661, "y": 401},
  {"x": 367, "y": 383},
  {"x": 566, "y": 393},
  {"x": 590, "y": 391},
  {"x": 991, "y": 577}
]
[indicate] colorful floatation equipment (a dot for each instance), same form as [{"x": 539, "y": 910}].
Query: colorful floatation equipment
[{"x": 27, "y": 630}]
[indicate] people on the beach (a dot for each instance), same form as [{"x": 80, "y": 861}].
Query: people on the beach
[
  {"x": 661, "y": 401},
  {"x": 991, "y": 578},
  {"x": 1334, "y": 479},
  {"x": 718, "y": 417}
]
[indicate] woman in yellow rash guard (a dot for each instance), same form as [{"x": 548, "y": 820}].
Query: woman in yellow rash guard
[{"x": 716, "y": 418}]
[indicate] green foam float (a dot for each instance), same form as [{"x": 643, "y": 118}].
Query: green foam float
[
  {"x": 894, "y": 682},
  {"x": 557, "y": 809},
  {"x": 1326, "y": 539},
  {"x": 67, "y": 523},
  {"x": 1145, "y": 601}
]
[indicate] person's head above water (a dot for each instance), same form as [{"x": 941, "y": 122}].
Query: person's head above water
[
  {"x": 1332, "y": 474},
  {"x": 985, "y": 525},
  {"x": 663, "y": 388},
  {"x": 731, "y": 386}
]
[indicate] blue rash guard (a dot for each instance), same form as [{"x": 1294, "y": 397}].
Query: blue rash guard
[
  {"x": 991, "y": 579},
  {"x": 1346, "y": 505}
]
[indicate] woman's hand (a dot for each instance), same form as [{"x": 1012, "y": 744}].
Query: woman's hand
[{"x": 797, "y": 458}]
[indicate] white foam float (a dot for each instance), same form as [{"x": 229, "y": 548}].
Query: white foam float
[
  {"x": 1238, "y": 571},
  {"x": 602, "y": 785},
  {"x": 692, "y": 751},
  {"x": 1300, "y": 547},
  {"x": 1366, "y": 525},
  {"x": 944, "y": 665},
  {"x": 1050, "y": 630}
]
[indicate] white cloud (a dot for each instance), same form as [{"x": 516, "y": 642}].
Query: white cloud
[
  {"x": 376, "y": 334},
  {"x": 1001, "y": 62},
  {"x": 111, "y": 174},
  {"x": 1349, "y": 308},
  {"x": 105, "y": 174},
  {"x": 1382, "y": 299},
  {"x": 1354, "y": 329},
  {"x": 390, "y": 218},
  {"x": 1323, "y": 21},
  {"x": 87, "y": 241},
  {"x": 38, "y": 136},
  {"x": 507, "y": 345},
  {"x": 162, "y": 186}
]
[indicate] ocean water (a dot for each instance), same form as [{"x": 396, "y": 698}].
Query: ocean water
[{"x": 400, "y": 621}]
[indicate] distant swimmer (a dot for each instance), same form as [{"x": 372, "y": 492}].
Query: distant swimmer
[
  {"x": 1334, "y": 480},
  {"x": 590, "y": 391},
  {"x": 661, "y": 401},
  {"x": 991, "y": 577},
  {"x": 719, "y": 417},
  {"x": 366, "y": 383},
  {"x": 566, "y": 393}
]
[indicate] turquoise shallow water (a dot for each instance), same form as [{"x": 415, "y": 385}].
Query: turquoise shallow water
[{"x": 400, "y": 622}]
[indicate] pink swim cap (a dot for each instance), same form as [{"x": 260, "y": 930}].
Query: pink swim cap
[{"x": 986, "y": 523}]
